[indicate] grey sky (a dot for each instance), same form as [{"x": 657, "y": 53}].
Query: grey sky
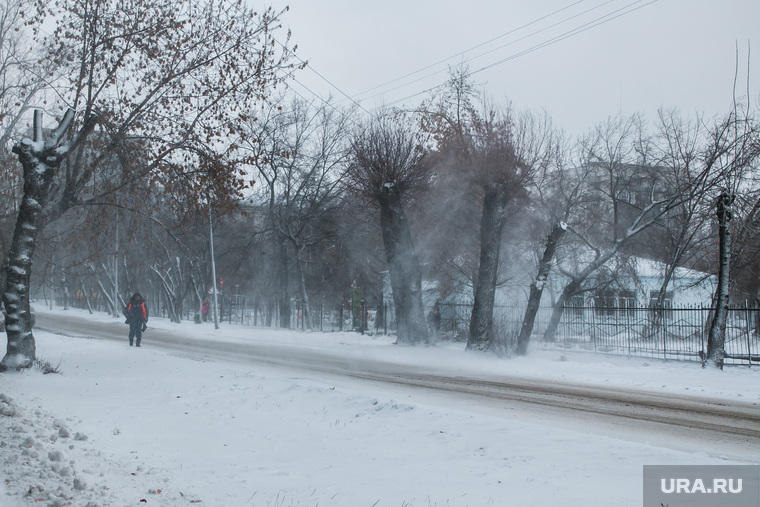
[{"x": 640, "y": 55}]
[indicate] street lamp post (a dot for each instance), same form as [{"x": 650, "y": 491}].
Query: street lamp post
[{"x": 213, "y": 266}]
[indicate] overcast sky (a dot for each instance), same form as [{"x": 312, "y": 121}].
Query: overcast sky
[{"x": 582, "y": 61}]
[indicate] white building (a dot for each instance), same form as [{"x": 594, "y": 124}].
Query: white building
[{"x": 641, "y": 288}]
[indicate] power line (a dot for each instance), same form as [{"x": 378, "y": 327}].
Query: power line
[
  {"x": 591, "y": 24},
  {"x": 472, "y": 48},
  {"x": 324, "y": 101},
  {"x": 529, "y": 50},
  {"x": 575, "y": 31},
  {"x": 626, "y": 9},
  {"x": 357, "y": 104},
  {"x": 306, "y": 64},
  {"x": 552, "y": 26}
]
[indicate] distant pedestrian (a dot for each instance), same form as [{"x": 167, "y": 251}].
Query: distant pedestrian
[
  {"x": 204, "y": 310},
  {"x": 136, "y": 312},
  {"x": 434, "y": 319}
]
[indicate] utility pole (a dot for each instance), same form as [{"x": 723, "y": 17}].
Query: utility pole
[
  {"x": 213, "y": 265},
  {"x": 117, "y": 308}
]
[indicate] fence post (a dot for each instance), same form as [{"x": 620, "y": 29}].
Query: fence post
[
  {"x": 628, "y": 329},
  {"x": 754, "y": 316},
  {"x": 664, "y": 336},
  {"x": 362, "y": 316},
  {"x": 701, "y": 329},
  {"x": 747, "y": 317}
]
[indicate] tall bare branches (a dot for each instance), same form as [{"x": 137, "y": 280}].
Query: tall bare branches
[{"x": 159, "y": 87}]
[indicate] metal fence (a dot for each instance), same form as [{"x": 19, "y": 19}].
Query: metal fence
[{"x": 676, "y": 333}]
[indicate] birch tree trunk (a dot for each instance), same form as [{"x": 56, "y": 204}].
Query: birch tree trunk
[
  {"x": 537, "y": 287},
  {"x": 716, "y": 338},
  {"x": 40, "y": 159}
]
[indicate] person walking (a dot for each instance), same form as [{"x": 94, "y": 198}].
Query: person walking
[
  {"x": 136, "y": 312},
  {"x": 434, "y": 320},
  {"x": 204, "y": 310}
]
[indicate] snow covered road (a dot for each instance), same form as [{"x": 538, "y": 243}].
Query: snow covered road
[
  {"x": 264, "y": 417},
  {"x": 722, "y": 427}
]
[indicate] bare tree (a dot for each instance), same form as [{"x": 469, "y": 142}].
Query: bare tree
[
  {"x": 22, "y": 79},
  {"x": 678, "y": 238},
  {"x": 537, "y": 287},
  {"x": 299, "y": 153},
  {"x": 154, "y": 81},
  {"x": 23, "y": 75},
  {"x": 732, "y": 154},
  {"x": 505, "y": 153},
  {"x": 554, "y": 194},
  {"x": 388, "y": 163},
  {"x": 487, "y": 156},
  {"x": 625, "y": 195},
  {"x": 452, "y": 208}
]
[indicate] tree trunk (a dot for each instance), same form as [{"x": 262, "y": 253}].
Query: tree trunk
[
  {"x": 404, "y": 269},
  {"x": 575, "y": 284},
  {"x": 40, "y": 159},
  {"x": 716, "y": 338},
  {"x": 658, "y": 311},
  {"x": 283, "y": 280},
  {"x": 306, "y": 306},
  {"x": 269, "y": 305},
  {"x": 491, "y": 226},
  {"x": 537, "y": 287},
  {"x": 570, "y": 290}
]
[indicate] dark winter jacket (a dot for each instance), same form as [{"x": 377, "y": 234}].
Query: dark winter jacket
[{"x": 136, "y": 310}]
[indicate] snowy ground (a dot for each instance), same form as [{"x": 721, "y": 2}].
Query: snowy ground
[{"x": 124, "y": 426}]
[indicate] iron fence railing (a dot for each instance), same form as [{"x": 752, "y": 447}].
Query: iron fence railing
[{"x": 673, "y": 333}]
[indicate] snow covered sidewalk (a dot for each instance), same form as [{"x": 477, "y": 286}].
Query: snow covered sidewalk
[{"x": 44, "y": 463}]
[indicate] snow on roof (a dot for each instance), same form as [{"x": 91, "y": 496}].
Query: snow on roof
[{"x": 655, "y": 269}]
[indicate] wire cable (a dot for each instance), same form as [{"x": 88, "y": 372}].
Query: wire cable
[
  {"x": 474, "y": 47},
  {"x": 570, "y": 33},
  {"x": 529, "y": 50},
  {"x": 306, "y": 65},
  {"x": 575, "y": 31}
]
